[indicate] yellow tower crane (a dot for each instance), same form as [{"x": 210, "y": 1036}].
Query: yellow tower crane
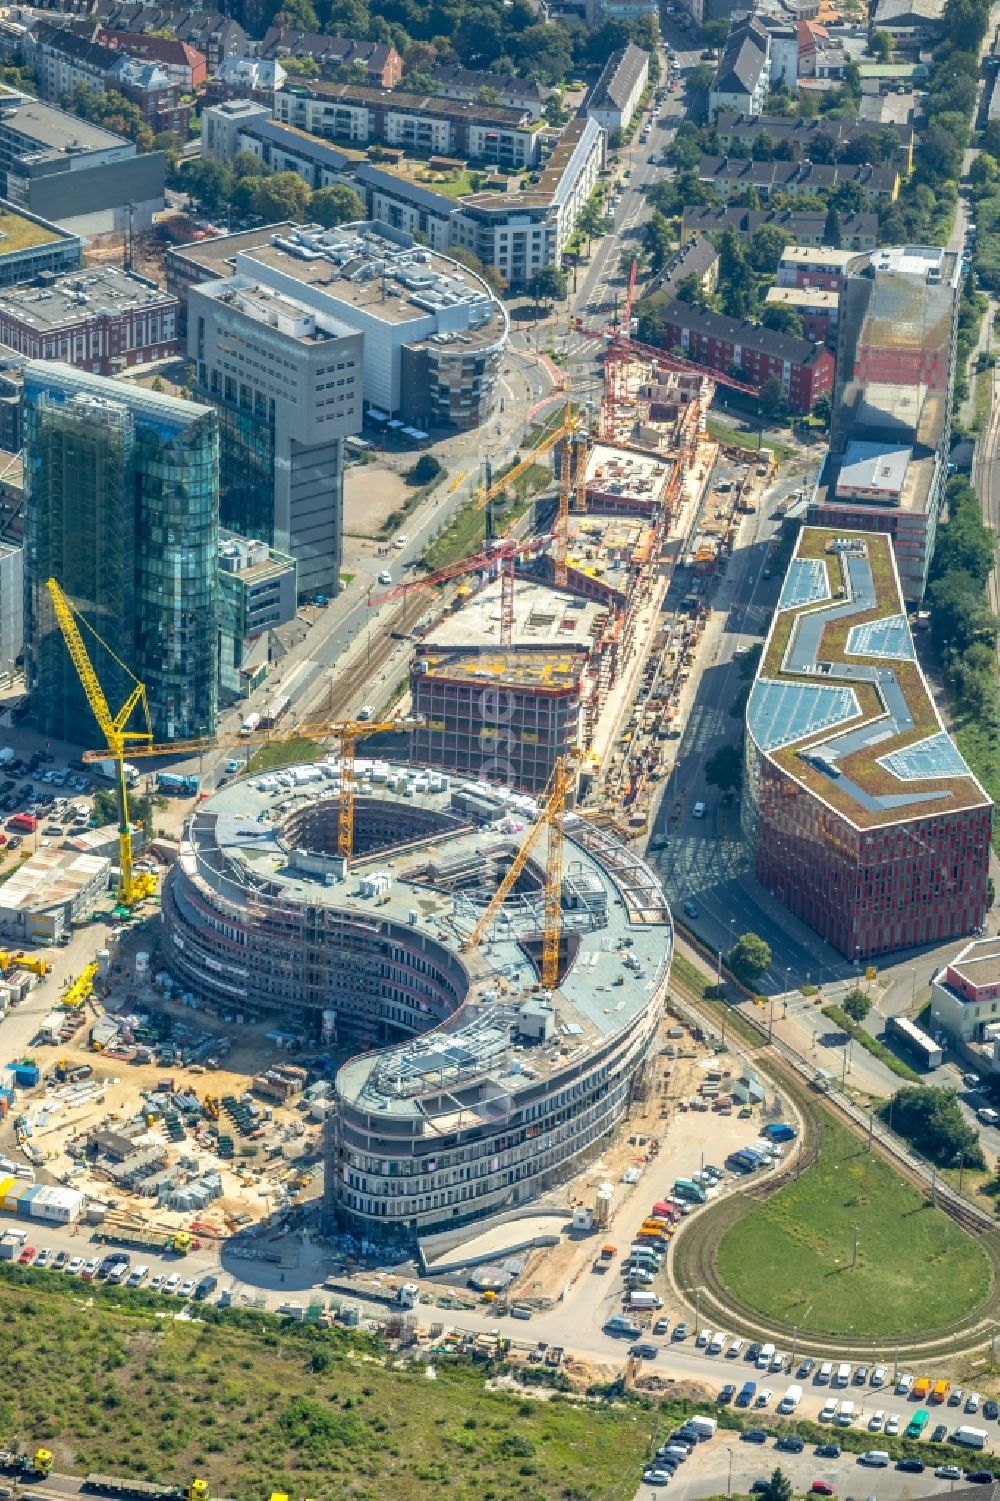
[
  {"x": 346, "y": 731},
  {"x": 550, "y": 817},
  {"x": 113, "y": 728}
]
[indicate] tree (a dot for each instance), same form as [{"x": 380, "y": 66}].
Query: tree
[
  {"x": 657, "y": 241},
  {"x": 784, "y": 320},
  {"x": 737, "y": 283},
  {"x": 208, "y": 181},
  {"x": 823, "y": 410},
  {"x": 548, "y": 285},
  {"x": 543, "y": 51},
  {"x": 932, "y": 1121},
  {"x": 822, "y": 147},
  {"x": 831, "y": 229},
  {"x": 749, "y": 958},
  {"x": 724, "y": 768},
  {"x": 493, "y": 278},
  {"x": 246, "y": 164},
  {"x": 555, "y": 111},
  {"x": 985, "y": 169},
  {"x": 282, "y": 196},
  {"x": 779, "y": 1487},
  {"x": 880, "y": 46},
  {"x": 699, "y": 80},
  {"x": 773, "y": 400},
  {"x": 766, "y": 247},
  {"x": 426, "y": 469},
  {"x": 691, "y": 289},
  {"x": 856, "y": 1004},
  {"x": 338, "y": 204}
]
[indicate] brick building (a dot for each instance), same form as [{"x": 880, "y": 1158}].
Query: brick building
[
  {"x": 100, "y": 319},
  {"x": 805, "y": 369}
]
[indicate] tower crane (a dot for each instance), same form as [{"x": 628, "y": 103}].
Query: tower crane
[
  {"x": 347, "y": 731},
  {"x": 501, "y": 555},
  {"x": 117, "y": 736},
  {"x": 550, "y": 817}
]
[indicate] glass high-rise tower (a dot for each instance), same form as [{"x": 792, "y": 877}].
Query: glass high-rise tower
[{"x": 122, "y": 508}]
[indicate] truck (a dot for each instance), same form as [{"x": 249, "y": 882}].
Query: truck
[
  {"x": 701, "y": 1426},
  {"x": 108, "y": 770},
  {"x": 251, "y": 723},
  {"x": 791, "y": 1399},
  {"x": 176, "y": 785},
  {"x": 764, "y": 1357},
  {"x": 604, "y": 1258},
  {"x": 639, "y": 1298},
  {"x": 748, "y": 1392},
  {"x": 969, "y": 1438}
]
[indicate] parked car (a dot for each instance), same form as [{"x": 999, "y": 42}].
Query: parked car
[{"x": 940, "y": 1434}]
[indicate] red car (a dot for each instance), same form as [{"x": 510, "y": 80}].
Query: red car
[
  {"x": 821, "y": 1488},
  {"x": 27, "y": 1255}
]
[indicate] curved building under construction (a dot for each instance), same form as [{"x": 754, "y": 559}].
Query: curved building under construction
[{"x": 466, "y": 1090}]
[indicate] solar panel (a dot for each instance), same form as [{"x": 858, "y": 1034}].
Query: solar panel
[
  {"x": 937, "y": 756},
  {"x": 780, "y": 713},
  {"x": 889, "y": 639}
]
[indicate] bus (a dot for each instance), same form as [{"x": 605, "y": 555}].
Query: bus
[
  {"x": 918, "y": 1423},
  {"x": 692, "y": 1192},
  {"x": 916, "y": 1042}
]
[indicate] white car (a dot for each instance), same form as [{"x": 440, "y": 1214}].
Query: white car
[
  {"x": 74, "y": 1266},
  {"x": 778, "y": 1360},
  {"x": 44, "y": 1257},
  {"x": 703, "y": 1338},
  {"x": 156, "y": 1283},
  {"x": 892, "y": 1427},
  {"x": 904, "y": 1385},
  {"x": 876, "y": 1420},
  {"x": 186, "y": 1288},
  {"x": 172, "y": 1283},
  {"x": 763, "y": 1396},
  {"x": 385, "y": 577},
  {"x": 878, "y": 1375},
  {"x": 972, "y": 1402},
  {"x": 401, "y": 540}
]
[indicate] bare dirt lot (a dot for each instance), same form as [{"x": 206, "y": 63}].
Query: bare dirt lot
[{"x": 371, "y": 494}]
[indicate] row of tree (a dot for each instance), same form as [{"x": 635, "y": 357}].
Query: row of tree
[
  {"x": 248, "y": 186},
  {"x": 963, "y": 626}
]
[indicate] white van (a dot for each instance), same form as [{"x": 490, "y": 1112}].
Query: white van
[
  {"x": 845, "y": 1416},
  {"x": 825, "y": 1373},
  {"x": 843, "y": 1375},
  {"x": 828, "y": 1412},
  {"x": 764, "y": 1357},
  {"x": 698, "y": 810},
  {"x": 367, "y": 711},
  {"x": 718, "y": 1343}
]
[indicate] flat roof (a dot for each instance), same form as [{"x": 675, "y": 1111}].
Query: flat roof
[
  {"x": 609, "y": 547},
  {"x": 876, "y": 469},
  {"x": 818, "y": 255},
  {"x": 543, "y": 618},
  {"x": 977, "y": 964},
  {"x": 22, "y": 232},
  {"x": 217, "y": 255},
  {"x": 286, "y": 315},
  {"x": 840, "y": 703},
  {"x": 51, "y": 876},
  {"x": 804, "y": 297},
  {"x": 54, "y": 128},
  {"x": 81, "y": 295}
]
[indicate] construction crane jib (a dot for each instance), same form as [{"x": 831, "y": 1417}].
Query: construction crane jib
[
  {"x": 347, "y": 731},
  {"x": 112, "y": 726},
  {"x": 550, "y": 817}
]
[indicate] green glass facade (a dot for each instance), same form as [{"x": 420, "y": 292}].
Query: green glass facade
[
  {"x": 122, "y": 507},
  {"x": 246, "y": 473}
]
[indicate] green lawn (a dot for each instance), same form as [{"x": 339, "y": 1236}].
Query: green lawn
[
  {"x": 790, "y": 1257},
  {"x": 284, "y": 753},
  {"x": 737, "y": 438},
  {"x": 254, "y": 1407}
]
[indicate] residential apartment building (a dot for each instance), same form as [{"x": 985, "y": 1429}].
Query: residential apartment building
[
  {"x": 695, "y": 257},
  {"x": 890, "y": 442},
  {"x": 811, "y": 139},
  {"x": 807, "y": 228},
  {"x": 286, "y": 381},
  {"x": 409, "y": 206},
  {"x": 816, "y": 307},
  {"x": 122, "y": 507},
  {"x": 741, "y": 79},
  {"x": 382, "y": 63},
  {"x": 62, "y": 169},
  {"x": 359, "y": 115},
  {"x": 872, "y": 831},
  {"x": 213, "y": 34},
  {"x": 523, "y": 94},
  {"x": 615, "y": 97},
  {"x": 732, "y": 177},
  {"x": 804, "y": 369},
  {"x": 184, "y": 65},
  {"x": 250, "y": 78},
  {"x": 241, "y": 125},
  {"x": 62, "y": 61},
  {"x": 814, "y": 266}
]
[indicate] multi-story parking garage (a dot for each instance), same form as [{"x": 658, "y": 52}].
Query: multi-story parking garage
[{"x": 465, "y": 1092}]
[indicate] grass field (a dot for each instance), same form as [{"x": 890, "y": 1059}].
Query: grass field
[
  {"x": 283, "y": 753},
  {"x": 790, "y": 1257},
  {"x": 737, "y": 438},
  {"x": 256, "y": 1408}
]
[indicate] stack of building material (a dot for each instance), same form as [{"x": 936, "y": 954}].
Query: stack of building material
[{"x": 281, "y": 1083}]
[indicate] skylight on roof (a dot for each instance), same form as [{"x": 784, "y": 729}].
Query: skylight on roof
[
  {"x": 779, "y": 713},
  {"x": 889, "y": 639},
  {"x": 937, "y": 756},
  {"x": 806, "y": 582}
]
